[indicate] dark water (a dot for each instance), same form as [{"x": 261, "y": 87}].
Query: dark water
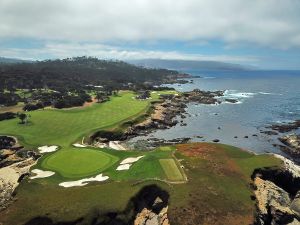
[{"x": 265, "y": 97}]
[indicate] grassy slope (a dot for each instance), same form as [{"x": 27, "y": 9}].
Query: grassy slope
[
  {"x": 64, "y": 127},
  {"x": 218, "y": 190}
]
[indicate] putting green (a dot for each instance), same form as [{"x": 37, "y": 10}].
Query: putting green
[
  {"x": 78, "y": 163},
  {"x": 171, "y": 169}
]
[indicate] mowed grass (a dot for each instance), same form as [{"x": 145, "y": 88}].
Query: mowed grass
[
  {"x": 74, "y": 163},
  {"x": 171, "y": 170},
  {"x": 64, "y": 127}
]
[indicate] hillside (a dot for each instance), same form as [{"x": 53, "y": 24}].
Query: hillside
[
  {"x": 4, "y": 60},
  {"x": 77, "y": 73},
  {"x": 188, "y": 64}
]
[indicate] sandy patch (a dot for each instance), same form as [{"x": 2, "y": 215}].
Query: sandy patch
[
  {"x": 124, "y": 167},
  {"x": 83, "y": 182},
  {"x": 79, "y": 145},
  {"x": 131, "y": 160},
  {"x": 41, "y": 174},
  {"x": 116, "y": 145},
  {"x": 102, "y": 145},
  {"x": 46, "y": 148}
]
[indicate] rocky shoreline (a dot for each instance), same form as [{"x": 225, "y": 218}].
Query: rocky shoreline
[
  {"x": 290, "y": 142},
  {"x": 168, "y": 112}
]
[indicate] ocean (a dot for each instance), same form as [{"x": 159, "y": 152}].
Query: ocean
[{"x": 264, "y": 98}]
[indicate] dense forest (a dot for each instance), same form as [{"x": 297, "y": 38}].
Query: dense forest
[
  {"x": 73, "y": 81},
  {"x": 77, "y": 73}
]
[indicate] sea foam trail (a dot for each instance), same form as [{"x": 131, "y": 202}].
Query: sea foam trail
[{"x": 235, "y": 94}]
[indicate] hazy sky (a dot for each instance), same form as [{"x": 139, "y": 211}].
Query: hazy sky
[{"x": 263, "y": 33}]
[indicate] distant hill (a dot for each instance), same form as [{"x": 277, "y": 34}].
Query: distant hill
[
  {"x": 188, "y": 64},
  {"x": 4, "y": 60},
  {"x": 78, "y": 73}
]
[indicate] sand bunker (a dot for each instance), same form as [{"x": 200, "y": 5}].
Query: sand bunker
[
  {"x": 127, "y": 163},
  {"x": 46, "y": 148},
  {"x": 131, "y": 160},
  {"x": 116, "y": 145},
  {"x": 41, "y": 174},
  {"x": 79, "y": 145},
  {"x": 124, "y": 167},
  {"x": 83, "y": 182}
]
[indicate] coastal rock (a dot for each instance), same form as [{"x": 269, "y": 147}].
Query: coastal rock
[
  {"x": 10, "y": 178},
  {"x": 295, "y": 205},
  {"x": 293, "y": 142},
  {"x": 231, "y": 100},
  {"x": 286, "y": 127},
  {"x": 203, "y": 97},
  {"x": 269, "y": 132},
  {"x": 147, "y": 217},
  {"x": 272, "y": 202},
  {"x": 289, "y": 166},
  {"x": 277, "y": 194},
  {"x": 7, "y": 142}
]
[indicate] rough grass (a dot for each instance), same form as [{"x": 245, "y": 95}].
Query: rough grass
[
  {"x": 218, "y": 190},
  {"x": 171, "y": 169}
]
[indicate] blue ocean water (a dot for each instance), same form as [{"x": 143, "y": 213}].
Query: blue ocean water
[{"x": 265, "y": 97}]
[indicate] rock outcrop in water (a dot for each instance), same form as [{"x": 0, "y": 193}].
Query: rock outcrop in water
[
  {"x": 286, "y": 127},
  {"x": 293, "y": 143}
]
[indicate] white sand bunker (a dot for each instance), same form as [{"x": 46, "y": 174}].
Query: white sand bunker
[
  {"x": 83, "y": 182},
  {"x": 124, "y": 167},
  {"x": 127, "y": 163},
  {"x": 116, "y": 145},
  {"x": 131, "y": 160},
  {"x": 79, "y": 145},
  {"x": 41, "y": 174},
  {"x": 46, "y": 148}
]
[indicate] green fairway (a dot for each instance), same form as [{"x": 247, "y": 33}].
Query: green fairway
[
  {"x": 75, "y": 163},
  {"x": 171, "y": 169},
  {"x": 64, "y": 127}
]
